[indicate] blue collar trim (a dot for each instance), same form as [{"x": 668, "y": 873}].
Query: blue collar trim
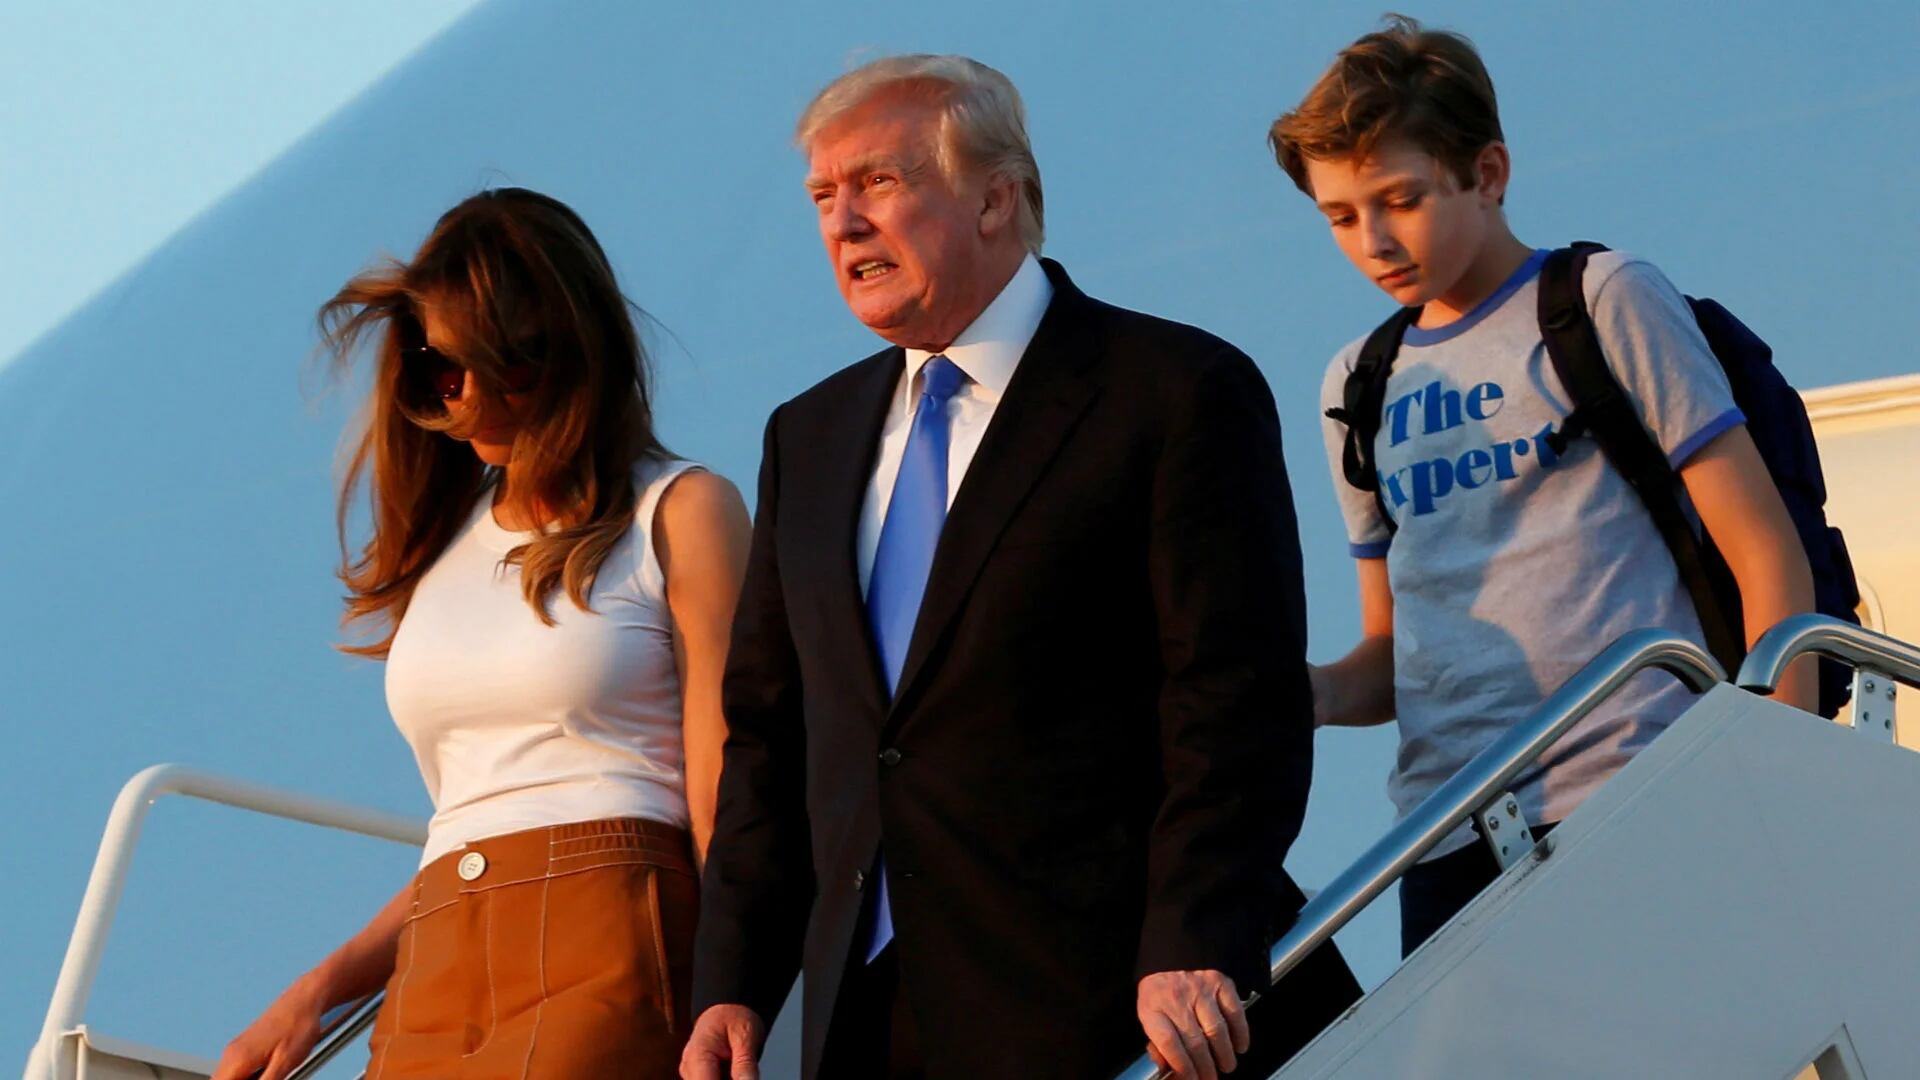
[{"x": 1434, "y": 336}]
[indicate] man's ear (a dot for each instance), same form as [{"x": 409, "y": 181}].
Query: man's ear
[
  {"x": 1492, "y": 168},
  {"x": 999, "y": 206}
]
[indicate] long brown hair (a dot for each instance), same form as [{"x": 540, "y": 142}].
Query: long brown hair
[{"x": 503, "y": 270}]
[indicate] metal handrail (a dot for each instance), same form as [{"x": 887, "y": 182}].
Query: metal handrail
[
  {"x": 110, "y": 865},
  {"x": 1477, "y": 784},
  {"x": 1856, "y": 646},
  {"x": 343, "y": 1027}
]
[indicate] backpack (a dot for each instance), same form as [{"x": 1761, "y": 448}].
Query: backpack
[{"x": 1776, "y": 419}]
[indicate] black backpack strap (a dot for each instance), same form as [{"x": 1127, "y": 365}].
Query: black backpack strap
[
  {"x": 1363, "y": 400},
  {"x": 1602, "y": 408}
]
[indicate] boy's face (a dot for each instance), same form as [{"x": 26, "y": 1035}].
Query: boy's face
[{"x": 1403, "y": 219}]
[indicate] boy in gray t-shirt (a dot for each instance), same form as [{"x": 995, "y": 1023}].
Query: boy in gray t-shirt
[{"x": 1512, "y": 558}]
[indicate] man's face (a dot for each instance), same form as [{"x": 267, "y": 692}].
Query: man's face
[
  {"x": 905, "y": 241},
  {"x": 1402, "y": 218}
]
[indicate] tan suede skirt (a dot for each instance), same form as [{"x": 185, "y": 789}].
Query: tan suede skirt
[{"x": 557, "y": 952}]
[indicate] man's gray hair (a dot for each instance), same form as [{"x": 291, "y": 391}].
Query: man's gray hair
[{"x": 983, "y": 124}]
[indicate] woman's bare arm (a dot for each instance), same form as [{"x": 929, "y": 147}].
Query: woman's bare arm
[
  {"x": 276, "y": 1043},
  {"x": 701, "y": 533}
]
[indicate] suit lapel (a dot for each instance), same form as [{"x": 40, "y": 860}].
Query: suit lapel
[
  {"x": 1049, "y": 391},
  {"x": 848, "y": 456}
]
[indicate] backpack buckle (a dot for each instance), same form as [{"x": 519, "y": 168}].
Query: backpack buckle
[{"x": 1571, "y": 428}]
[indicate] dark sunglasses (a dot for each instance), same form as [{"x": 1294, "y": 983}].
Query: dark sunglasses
[{"x": 443, "y": 377}]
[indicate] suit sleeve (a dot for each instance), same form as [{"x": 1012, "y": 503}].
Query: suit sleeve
[
  {"x": 758, "y": 880},
  {"x": 1235, "y": 708}
]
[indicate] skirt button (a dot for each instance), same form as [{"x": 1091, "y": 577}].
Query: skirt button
[{"x": 472, "y": 865}]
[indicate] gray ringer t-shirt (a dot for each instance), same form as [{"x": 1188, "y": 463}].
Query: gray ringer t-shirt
[{"x": 1513, "y": 565}]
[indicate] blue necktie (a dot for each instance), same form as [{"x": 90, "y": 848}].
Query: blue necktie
[{"x": 904, "y": 558}]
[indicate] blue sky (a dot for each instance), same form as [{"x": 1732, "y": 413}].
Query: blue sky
[
  {"x": 179, "y": 193},
  {"x": 121, "y": 121}
]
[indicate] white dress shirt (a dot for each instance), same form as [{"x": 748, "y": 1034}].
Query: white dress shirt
[{"x": 988, "y": 351}]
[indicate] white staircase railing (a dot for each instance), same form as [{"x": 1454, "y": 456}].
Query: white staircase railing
[
  {"x": 52, "y": 1057},
  {"x": 1479, "y": 784},
  {"x": 1478, "y": 789},
  {"x": 1878, "y": 662}
]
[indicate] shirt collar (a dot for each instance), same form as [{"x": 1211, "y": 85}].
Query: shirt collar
[{"x": 990, "y": 348}]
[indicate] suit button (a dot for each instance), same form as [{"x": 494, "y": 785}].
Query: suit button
[
  {"x": 472, "y": 865},
  {"x": 889, "y": 756},
  {"x": 859, "y": 880}
]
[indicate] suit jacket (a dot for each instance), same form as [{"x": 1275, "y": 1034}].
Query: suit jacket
[{"x": 1101, "y": 743}]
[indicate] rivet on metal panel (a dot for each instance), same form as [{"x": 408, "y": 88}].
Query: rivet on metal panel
[
  {"x": 1871, "y": 713},
  {"x": 1505, "y": 829}
]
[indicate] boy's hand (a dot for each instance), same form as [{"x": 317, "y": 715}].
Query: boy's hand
[
  {"x": 1741, "y": 508},
  {"x": 1357, "y": 689},
  {"x": 1322, "y": 683}
]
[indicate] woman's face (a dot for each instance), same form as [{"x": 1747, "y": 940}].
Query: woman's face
[{"x": 492, "y": 419}]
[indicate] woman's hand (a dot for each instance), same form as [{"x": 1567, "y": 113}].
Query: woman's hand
[
  {"x": 276, "y": 1043},
  {"x": 281, "y": 1039}
]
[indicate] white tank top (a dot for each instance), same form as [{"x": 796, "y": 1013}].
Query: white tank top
[{"x": 519, "y": 725}]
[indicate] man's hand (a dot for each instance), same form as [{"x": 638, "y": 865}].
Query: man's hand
[
  {"x": 1194, "y": 1022},
  {"x": 725, "y": 1045}
]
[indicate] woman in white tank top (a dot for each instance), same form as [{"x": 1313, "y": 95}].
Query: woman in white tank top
[{"x": 551, "y": 591}]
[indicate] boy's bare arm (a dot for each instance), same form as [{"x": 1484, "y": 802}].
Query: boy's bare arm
[
  {"x": 1357, "y": 689},
  {"x": 1741, "y": 508}
]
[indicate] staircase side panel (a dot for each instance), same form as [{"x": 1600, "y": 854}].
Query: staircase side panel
[{"x": 1742, "y": 889}]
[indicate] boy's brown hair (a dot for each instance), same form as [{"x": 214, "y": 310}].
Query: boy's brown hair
[{"x": 1403, "y": 81}]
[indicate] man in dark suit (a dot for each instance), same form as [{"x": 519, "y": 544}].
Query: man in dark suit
[{"x": 1020, "y": 726}]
